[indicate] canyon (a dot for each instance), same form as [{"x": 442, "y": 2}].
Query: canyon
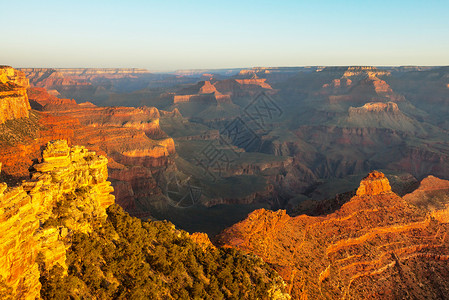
[
  {"x": 53, "y": 223},
  {"x": 377, "y": 245},
  {"x": 331, "y": 123},
  {"x": 281, "y": 153},
  {"x": 14, "y": 101}
]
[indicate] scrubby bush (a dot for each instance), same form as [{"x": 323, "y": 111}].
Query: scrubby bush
[{"x": 127, "y": 258}]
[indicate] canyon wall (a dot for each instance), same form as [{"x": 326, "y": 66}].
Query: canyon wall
[
  {"x": 13, "y": 96},
  {"x": 377, "y": 245},
  {"x": 45, "y": 77},
  {"x": 68, "y": 191}
]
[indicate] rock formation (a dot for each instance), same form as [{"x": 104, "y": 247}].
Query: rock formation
[
  {"x": 432, "y": 194},
  {"x": 338, "y": 83},
  {"x": 374, "y": 184},
  {"x": 262, "y": 82},
  {"x": 46, "y": 77},
  {"x": 40, "y": 98},
  {"x": 375, "y": 107},
  {"x": 203, "y": 91},
  {"x": 68, "y": 191},
  {"x": 13, "y": 96},
  {"x": 354, "y": 71},
  {"x": 377, "y": 245},
  {"x": 357, "y": 84},
  {"x": 130, "y": 137},
  {"x": 243, "y": 86}
]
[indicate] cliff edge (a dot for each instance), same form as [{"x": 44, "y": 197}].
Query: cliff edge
[
  {"x": 13, "y": 94},
  {"x": 68, "y": 192}
]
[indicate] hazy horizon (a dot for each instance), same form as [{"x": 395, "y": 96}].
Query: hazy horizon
[
  {"x": 225, "y": 68},
  {"x": 179, "y": 35}
]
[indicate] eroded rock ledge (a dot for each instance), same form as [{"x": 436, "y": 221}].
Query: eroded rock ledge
[
  {"x": 68, "y": 191},
  {"x": 13, "y": 95},
  {"x": 376, "y": 246}
]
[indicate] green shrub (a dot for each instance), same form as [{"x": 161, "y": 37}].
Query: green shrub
[{"x": 153, "y": 260}]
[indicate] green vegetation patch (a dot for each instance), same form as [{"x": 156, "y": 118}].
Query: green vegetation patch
[{"x": 126, "y": 258}]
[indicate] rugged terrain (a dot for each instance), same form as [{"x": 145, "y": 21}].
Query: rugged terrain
[
  {"x": 58, "y": 241},
  {"x": 14, "y": 101},
  {"x": 284, "y": 135},
  {"x": 144, "y": 165},
  {"x": 68, "y": 192},
  {"x": 377, "y": 245}
]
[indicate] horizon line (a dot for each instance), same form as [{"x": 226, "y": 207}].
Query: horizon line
[{"x": 226, "y": 68}]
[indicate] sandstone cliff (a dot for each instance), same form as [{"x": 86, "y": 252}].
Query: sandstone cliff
[
  {"x": 13, "y": 97},
  {"x": 377, "y": 245},
  {"x": 68, "y": 192},
  {"x": 131, "y": 138}
]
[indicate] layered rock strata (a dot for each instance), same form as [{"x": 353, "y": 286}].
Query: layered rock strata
[
  {"x": 68, "y": 191},
  {"x": 377, "y": 245},
  {"x": 13, "y": 96}
]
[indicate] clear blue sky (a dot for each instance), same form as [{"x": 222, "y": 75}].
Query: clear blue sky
[{"x": 169, "y": 35}]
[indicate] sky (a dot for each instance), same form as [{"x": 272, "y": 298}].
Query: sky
[{"x": 169, "y": 35}]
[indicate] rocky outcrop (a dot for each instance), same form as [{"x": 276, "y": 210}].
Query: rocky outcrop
[
  {"x": 51, "y": 78},
  {"x": 68, "y": 192},
  {"x": 432, "y": 194},
  {"x": 383, "y": 115},
  {"x": 203, "y": 91},
  {"x": 338, "y": 83},
  {"x": 376, "y": 245},
  {"x": 202, "y": 239},
  {"x": 374, "y": 184},
  {"x": 375, "y": 107},
  {"x": 357, "y": 85},
  {"x": 130, "y": 137},
  {"x": 262, "y": 82},
  {"x": 13, "y": 96},
  {"x": 243, "y": 87},
  {"x": 41, "y": 99}
]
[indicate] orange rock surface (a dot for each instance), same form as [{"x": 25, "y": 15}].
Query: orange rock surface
[
  {"x": 377, "y": 245},
  {"x": 374, "y": 184},
  {"x": 13, "y": 96},
  {"x": 375, "y": 107},
  {"x": 72, "y": 177},
  {"x": 432, "y": 194},
  {"x": 76, "y": 76},
  {"x": 204, "y": 91},
  {"x": 255, "y": 81},
  {"x": 128, "y": 136},
  {"x": 202, "y": 239}
]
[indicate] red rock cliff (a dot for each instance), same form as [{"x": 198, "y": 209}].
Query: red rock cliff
[
  {"x": 376, "y": 246},
  {"x": 69, "y": 177},
  {"x": 13, "y": 96}
]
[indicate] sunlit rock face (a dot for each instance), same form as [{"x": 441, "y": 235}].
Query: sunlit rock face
[
  {"x": 68, "y": 191},
  {"x": 375, "y": 107},
  {"x": 377, "y": 245},
  {"x": 129, "y": 137},
  {"x": 13, "y": 96},
  {"x": 374, "y": 184},
  {"x": 48, "y": 77},
  {"x": 204, "y": 92}
]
